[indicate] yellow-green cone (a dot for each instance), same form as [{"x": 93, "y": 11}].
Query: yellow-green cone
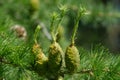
[
  {"x": 56, "y": 58},
  {"x": 41, "y": 60},
  {"x": 36, "y": 49},
  {"x": 41, "y": 64},
  {"x": 72, "y": 59}
]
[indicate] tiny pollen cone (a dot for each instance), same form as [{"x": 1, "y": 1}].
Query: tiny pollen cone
[
  {"x": 41, "y": 59},
  {"x": 20, "y": 31}
]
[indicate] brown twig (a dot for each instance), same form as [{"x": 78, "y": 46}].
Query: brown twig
[
  {"x": 103, "y": 14},
  {"x": 91, "y": 71},
  {"x": 85, "y": 71},
  {"x": 3, "y": 61}
]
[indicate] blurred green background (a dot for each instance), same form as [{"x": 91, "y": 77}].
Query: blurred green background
[{"x": 99, "y": 26}]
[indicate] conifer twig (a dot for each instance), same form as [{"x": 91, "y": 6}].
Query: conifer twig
[
  {"x": 85, "y": 71},
  {"x": 91, "y": 71}
]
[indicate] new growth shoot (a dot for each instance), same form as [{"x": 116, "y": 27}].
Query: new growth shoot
[
  {"x": 55, "y": 16},
  {"x": 52, "y": 28},
  {"x": 80, "y": 13},
  {"x": 36, "y": 33},
  {"x": 63, "y": 9}
]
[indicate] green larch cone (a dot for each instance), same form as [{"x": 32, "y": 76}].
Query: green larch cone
[
  {"x": 41, "y": 64},
  {"x": 56, "y": 58},
  {"x": 36, "y": 49},
  {"x": 72, "y": 59},
  {"x": 41, "y": 59}
]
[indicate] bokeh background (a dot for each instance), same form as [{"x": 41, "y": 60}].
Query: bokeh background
[{"x": 100, "y": 26}]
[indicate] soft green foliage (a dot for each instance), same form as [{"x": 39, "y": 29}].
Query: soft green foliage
[{"x": 16, "y": 61}]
